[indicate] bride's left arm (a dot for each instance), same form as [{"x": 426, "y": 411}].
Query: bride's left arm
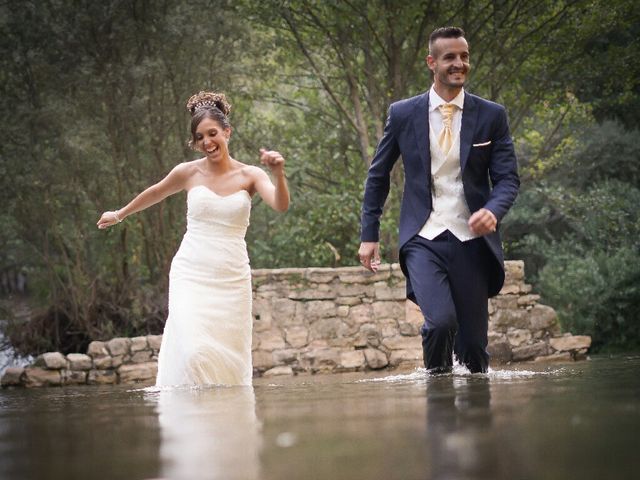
[{"x": 276, "y": 196}]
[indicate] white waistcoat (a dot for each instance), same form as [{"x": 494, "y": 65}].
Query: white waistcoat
[{"x": 449, "y": 210}]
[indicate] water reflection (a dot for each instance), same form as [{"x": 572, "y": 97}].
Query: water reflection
[
  {"x": 209, "y": 433},
  {"x": 459, "y": 418}
]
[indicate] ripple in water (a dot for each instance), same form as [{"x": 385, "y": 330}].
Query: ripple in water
[{"x": 461, "y": 371}]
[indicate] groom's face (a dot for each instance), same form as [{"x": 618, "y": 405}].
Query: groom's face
[{"x": 449, "y": 61}]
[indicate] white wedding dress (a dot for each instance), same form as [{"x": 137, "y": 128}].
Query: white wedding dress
[{"x": 207, "y": 336}]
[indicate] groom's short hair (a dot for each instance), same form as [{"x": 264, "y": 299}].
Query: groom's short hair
[{"x": 444, "y": 32}]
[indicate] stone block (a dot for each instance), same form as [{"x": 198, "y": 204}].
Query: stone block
[
  {"x": 361, "y": 313},
  {"x": 143, "y": 356},
  {"x": 261, "y": 315},
  {"x": 349, "y": 301},
  {"x": 542, "y": 317},
  {"x": 276, "y": 371},
  {"x": 554, "y": 357},
  {"x": 117, "y": 361},
  {"x": 352, "y": 360},
  {"x": 97, "y": 349},
  {"x": 365, "y": 276},
  {"x": 395, "y": 310},
  {"x": 386, "y": 292},
  {"x": 102, "y": 363},
  {"x": 514, "y": 270},
  {"x": 529, "y": 299},
  {"x": 154, "y": 341},
  {"x": 262, "y": 360},
  {"x": 368, "y": 335},
  {"x": 510, "y": 288},
  {"x": 570, "y": 342},
  {"x": 506, "y": 318},
  {"x": 528, "y": 352},
  {"x": 499, "y": 351},
  {"x": 517, "y": 336},
  {"x": 503, "y": 302},
  {"x": 297, "y": 336},
  {"x": 410, "y": 356},
  {"x": 388, "y": 328},
  {"x": 283, "y": 311},
  {"x": 329, "y": 328},
  {"x": 319, "y": 309},
  {"x": 41, "y": 377},
  {"x": 138, "y": 344},
  {"x": 271, "y": 340},
  {"x": 74, "y": 377},
  {"x": 325, "y": 275},
  {"x": 354, "y": 290},
  {"x": 319, "y": 292},
  {"x": 322, "y": 359},
  {"x": 118, "y": 346},
  {"x": 342, "y": 311},
  {"x": 12, "y": 376},
  {"x": 102, "y": 377},
  {"x": 400, "y": 342},
  {"x": 285, "y": 356},
  {"x": 79, "y": 361},
  {"x": 375, "y": 358},
  {"x": 51, "y": 361},
  {"x": 137, "y": 373},
  {"x": 408, "y": 329},
  {"x": 413, "y": 314}
]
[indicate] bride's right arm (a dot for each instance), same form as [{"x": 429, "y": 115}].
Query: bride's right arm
[{"x": 174, "y": 182}]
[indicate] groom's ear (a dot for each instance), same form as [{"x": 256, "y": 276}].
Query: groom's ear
[{"x": 431, "y": 62}]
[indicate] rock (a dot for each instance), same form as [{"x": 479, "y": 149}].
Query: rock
[
  {"x": 320, "y": 292},
  {"x": 140, "y": 372},
  {"x": 395, "y": 310},
  {"x": 79, "y": 361},
  {"x": 342, "y": 311},
  {"x": 284, "y": 311},
  {"x": 102, "y": 363},
  {"x": 142, "y": 356},
  {"x": 401, "y": 343},
  {"x": 527, "y": 352},
  {"x": 319, "y": 309},
  {"x": 411, "y": 356},
  {"x": 275, "y": 371},
  {"x": 555, "y": 357},
  {"x": 287, "y": 355},
  {"x": 352, "y": 360},
  {"x": 154, "y": 342},
  {"x": 138, "y": 344},
  {"x": 506, "y": 318},
  {"x": 102, "y": 377},
  {"x": 118, "y": 346},
  {"x": 12, "y": 376},
  {"x": 262, "y": 315},
  {"x": 408, "y": 329},
  {"x": 499, "y": 351},
  {"x": 528, "y": 299},
  {"x": 263, "y": 360},
  {"x": 117, "y": 361},
  {"x": 385, "y": 292},
  {"x": 517, "y": 337},
  {"x": 51, "y": 360},
  {"x": 543, "y": 317},
  {"x": 361, "y": 313},
  {"x": 571, "y": 342},
  {"x": 322, "y": 359},
  {"x": 41, "y": 377},
  {"x": 97, "y": 349},
  {"x": 271, "y": 340},
  {"x": 321, "y": 275},
  {"x": 74, "y": 377},
  {"x": 368, "y": 335},
  {"x": 326, "y": 328},
  {"x": 366, "y": 277},
  {"x": 350, "y": 301},
  {"x": 510, "y": 288},
  {"x": 375, "y": 358},
  {"x": 296, "y": 336},
  {"x": 354, "y": 290},
  {"x": 505, "y": 302}
]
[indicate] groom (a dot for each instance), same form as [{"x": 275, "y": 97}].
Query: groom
[{"x": 460, "y": 180}]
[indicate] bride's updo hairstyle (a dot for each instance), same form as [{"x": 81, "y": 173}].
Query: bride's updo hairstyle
[{"x": 208, "y": 105}]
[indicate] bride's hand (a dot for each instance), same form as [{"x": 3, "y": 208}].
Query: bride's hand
[
  {"x": 273, "y": 160},
  {"x": 107, "y": 219}
]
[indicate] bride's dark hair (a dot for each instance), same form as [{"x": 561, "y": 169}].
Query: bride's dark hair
[{"x": 208, "y": 105}]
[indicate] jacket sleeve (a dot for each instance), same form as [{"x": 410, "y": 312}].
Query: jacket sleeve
[
  {"x": 503, "y": 170},
  {"x": 378, "y": 181}
]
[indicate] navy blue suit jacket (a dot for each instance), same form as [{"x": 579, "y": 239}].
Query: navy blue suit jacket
[{"x": 489, "y": 172}]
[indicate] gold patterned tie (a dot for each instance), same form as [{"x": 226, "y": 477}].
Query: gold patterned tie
[{"x": 446, "y": 135}]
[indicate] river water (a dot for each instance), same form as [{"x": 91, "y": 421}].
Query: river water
[{"x": 562, "y": 421}]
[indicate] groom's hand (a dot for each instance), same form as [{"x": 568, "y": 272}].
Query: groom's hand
[
  {"x": 483, "y": 222},
  {"x": 369, "y": 254}
]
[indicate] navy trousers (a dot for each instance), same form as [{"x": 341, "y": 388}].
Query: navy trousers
[{"x": 450, "y": 280}]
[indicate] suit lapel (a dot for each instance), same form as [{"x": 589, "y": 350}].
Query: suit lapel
[
  {"x": 421, "y": 130},
  {"x": 469, "y": 120}
]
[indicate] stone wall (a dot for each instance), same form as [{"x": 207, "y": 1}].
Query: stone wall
[{"x": 328, "y": 320}]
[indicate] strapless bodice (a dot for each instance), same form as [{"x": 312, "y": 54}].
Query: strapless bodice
[{"x": 210, "y": 213}]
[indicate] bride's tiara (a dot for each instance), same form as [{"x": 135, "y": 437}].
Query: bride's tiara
[{"x": 204, "y": 104}]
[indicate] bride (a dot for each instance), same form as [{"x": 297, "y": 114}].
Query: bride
[{"x": 207, "y": 336}]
